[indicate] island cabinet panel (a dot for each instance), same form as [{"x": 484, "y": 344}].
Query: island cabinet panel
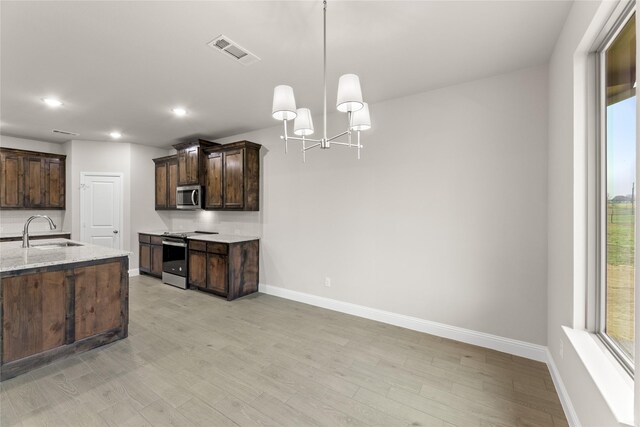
[
  {"x": 11, "y": 180},
  {"x": 52, "y": 312},
  {"x": 225, "y": 269},
  {"x": 34, "y": 311},
  {"x": 31, "y": 180},
  {"x": 97, "y": 299}
]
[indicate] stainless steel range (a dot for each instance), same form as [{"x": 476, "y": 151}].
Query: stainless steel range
[{"x": 174, "y": 257}]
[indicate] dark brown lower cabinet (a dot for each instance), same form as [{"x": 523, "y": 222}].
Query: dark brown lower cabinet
[
  {"x": 150, "y": 254},
  {"x": 156, "y": 260},
  {"x": 197, "y": 269},
  {"x": 226, "y": 269},
  {"x": 56, "y": 311}
]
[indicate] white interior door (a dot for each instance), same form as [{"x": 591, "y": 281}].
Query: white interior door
[{"x": 101, "y": 209}]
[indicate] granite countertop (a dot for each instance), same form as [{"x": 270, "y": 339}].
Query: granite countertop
[
  {"x": 14, "y": 257},
  {"x": 223, "y": 238},
  {"x": 153, "y": 232},
  {"x": 12, "y": 234}
]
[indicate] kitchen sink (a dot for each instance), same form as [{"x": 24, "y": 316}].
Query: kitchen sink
[{"x": 45, "y": 246}]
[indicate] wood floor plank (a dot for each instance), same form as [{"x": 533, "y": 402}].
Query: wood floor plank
[{"x": 193, "y": 359}]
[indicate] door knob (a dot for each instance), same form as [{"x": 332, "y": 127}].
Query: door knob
[{"x": 115, "y": 231}]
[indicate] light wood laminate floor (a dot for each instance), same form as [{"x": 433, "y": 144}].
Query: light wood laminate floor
[{"x": 193, "y": 359}]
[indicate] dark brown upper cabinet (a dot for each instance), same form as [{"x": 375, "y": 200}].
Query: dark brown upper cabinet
[
  {"x": 232, "y": 177},
  {"x": 166, "y": 172},
  {"x": 191, "y": 161},
  {"x": 31, "y": 180}
]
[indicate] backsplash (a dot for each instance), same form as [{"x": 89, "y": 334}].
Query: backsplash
[
  {"x": 237, "y": 223},
  {"x": 13, "y": 221}
]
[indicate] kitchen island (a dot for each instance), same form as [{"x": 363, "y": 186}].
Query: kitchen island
[{"x": 57, "y": 298}]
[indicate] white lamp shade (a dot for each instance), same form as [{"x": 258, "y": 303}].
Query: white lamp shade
[
  {"x": 284, "y": 103},
  {"x": 360, "y": 119},
  {"x": 349, "y": 93},
  {"x": 303, "y": 125}
]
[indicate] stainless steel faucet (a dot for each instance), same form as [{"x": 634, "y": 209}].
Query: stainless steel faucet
[{"x": 25, "y": 232}]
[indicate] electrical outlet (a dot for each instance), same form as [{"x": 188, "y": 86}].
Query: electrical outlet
[
  {"x": 327, "y": 282},
  {"x": 561, "y": 349}
]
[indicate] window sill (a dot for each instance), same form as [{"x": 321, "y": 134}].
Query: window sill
[{"x": 615, "y": 385}]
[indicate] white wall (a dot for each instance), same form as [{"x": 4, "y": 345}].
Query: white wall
[
  {"x": 135, "y": 163},
  {"x": 444, "y": 218},
  {"x": 567, "y": 216},
  {"x": 13, "y": 220}
]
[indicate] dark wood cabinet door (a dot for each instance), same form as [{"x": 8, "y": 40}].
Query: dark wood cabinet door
[
  {"x": 144, "y": 263},
  {"x": 217, "y": 273},
  {"x": 197, "y": 269},
  {"x": 34, "y": 182},
  {"x": 161, "y": 185},
  {"x": 213, "y": 181},
  {"x": 156, "y": 260},
  {"x": 193, "y": 172},
  {"x": 172, "y": 183},
  {"x": 54, "y": 184},
  {"x": 11, "y": 181},
  {"x": 182, "y": 167},
  {"x": 234, "y": 179}
]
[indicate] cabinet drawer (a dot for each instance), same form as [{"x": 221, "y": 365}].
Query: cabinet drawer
[
  {"x": 217, "y": 248},
  {"x": 144, "y": 238},
  {"x": 197, "y": 245},
  {"x": 156, "y": 240}
]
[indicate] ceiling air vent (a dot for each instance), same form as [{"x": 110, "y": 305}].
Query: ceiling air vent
[
  {"x": 65, "y": 132},
  {"x": 231, "y": 49}
]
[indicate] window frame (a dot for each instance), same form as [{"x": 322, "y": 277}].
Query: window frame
[{"x": 601, "y": 191}]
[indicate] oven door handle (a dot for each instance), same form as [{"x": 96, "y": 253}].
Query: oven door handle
[{"x": 166, "y": 242}]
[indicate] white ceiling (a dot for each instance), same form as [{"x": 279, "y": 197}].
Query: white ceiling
[{"x": 124, "y": 65}]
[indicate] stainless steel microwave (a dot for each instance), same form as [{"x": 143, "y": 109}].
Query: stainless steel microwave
[{"x": 189, "y": 197}]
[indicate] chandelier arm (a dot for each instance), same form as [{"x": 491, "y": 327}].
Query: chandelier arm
[
  {"x": 359, "y": 146},
  {"x": 295, "y": 138},
  {"x": 312, "y": 146},
  {"x": 346, "y": 144},
  {"x": 339, "y": 135}
]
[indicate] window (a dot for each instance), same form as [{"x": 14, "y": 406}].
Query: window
[{"x": 617, "y": 189}]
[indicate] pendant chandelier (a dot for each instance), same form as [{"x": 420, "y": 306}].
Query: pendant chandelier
[{"x": 349, "y": 101}]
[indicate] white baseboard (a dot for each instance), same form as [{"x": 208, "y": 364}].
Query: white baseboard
[
  {"x": 569, "y": 410},
  {"x": 482, "y": 339},
  {"x": 134, "y": 272}
]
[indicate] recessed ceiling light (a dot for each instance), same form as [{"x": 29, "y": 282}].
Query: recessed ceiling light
[
  {"x": 52, "y": 102},
  {"x": 115, "y": 135},
  {"x": 179, "y": 111}
]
